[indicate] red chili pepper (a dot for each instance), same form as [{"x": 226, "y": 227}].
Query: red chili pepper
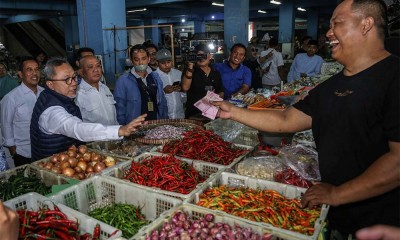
[{"x": 96, "y": 232}]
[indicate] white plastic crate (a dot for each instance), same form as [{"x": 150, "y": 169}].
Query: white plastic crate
[
  {"x": 34, "y": 201},
  {"x": 288, "y": 191},
  {"x": 205, "y": 169},
  {"x": 233, "y": 163},
  {"x": 196, "y": 212},
  {"x": 99, "y": 191},
  {"x": 28, "y": 170},
  {"x": 49, "y": 172}
]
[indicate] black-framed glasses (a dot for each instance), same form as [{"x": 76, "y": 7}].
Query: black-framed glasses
[{"x": 67, "y": 80}]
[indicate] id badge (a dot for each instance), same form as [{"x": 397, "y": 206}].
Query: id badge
[{"x": 150, "y": 106}]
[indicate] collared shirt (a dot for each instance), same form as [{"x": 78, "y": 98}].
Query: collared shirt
[
  {"x": 97, "y": 106},
  {"x": 302, "y": 63},
  {"x": 56, "y": 120},
  {"x": 233, "y": 79},
  {"x": 174, "y": 99},
  {"x": 16, "y": 114},
  {"x": 272, "y": 76}
]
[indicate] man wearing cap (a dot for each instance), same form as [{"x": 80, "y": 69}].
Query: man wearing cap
[
  {"x": 171, "y": 79},
  {"x": 7, "y": 83},
  {"x": 306, "y": 64},
  {"x": 140, "y": 91}
]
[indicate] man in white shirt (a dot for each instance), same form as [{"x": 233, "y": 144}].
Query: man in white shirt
[
  {"x": 56, "y": 120},
  {"x": 273, "y": 68},
  {"x": 94, "y": 98},
  {"x": 170, "y": 78},
  {"x": 16, "y": 111}
]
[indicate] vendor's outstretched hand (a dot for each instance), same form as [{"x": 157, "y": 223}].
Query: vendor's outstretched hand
[
  {"x": 132, "y": 127},
  {"x": 318, "y": 194},
  {"x": 379, "y": 232},
  {"x": 225, "y": 109},
  {"x": 9, "y": 223}
]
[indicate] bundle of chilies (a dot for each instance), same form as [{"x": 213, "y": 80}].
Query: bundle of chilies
[
  {"x": 51, "y": 224},
  {"x": 266, "y": 206},
  {"x": 289, "y": 176},
  {"x": 164, "y": 172},
  {"x": 183, "y": 227},
  {"x": 203, "y": 145}
]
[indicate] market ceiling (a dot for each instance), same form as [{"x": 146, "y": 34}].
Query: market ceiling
[{"x": 12, "y": 11}]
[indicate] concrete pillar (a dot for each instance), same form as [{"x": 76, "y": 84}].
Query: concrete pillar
[
  {"x": 236, "y": 21},
  {"x": 199, "y": 26},
  {"x": 71, "y": 33},
  {"x": 152, "y": 33},
  {"x": 312, "y": 23},
  {"x": 286, "y": 21},
  {"x": 93, "y": 17}
]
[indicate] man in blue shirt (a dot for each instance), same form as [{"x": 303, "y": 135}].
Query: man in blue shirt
[
  {"x": 236, "y": 78},
  {"x": 306, "y": 64}
]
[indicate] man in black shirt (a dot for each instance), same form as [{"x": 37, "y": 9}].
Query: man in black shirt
[{"x": 355, "y": 119}]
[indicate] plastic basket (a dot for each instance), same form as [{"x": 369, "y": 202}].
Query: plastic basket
[
  {"x": 100, "y": 191},
  {"x": 108, "y": 148},
  {"x": 205, "y": 170},
  {"x": 29, "y": 170},
  {"x": 196, "y": 212},
  {"x": 288, "y": 191},
  {"x": 233, "y": 163},
  {"x": 35, "y": 164},
  {"x": 34, "y": 201}
]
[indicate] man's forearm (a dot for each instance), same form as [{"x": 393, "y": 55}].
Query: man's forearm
[{"x": 381, "y": 177}]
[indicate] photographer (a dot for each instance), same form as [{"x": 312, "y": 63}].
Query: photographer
[{"x": 198, "y": 77}]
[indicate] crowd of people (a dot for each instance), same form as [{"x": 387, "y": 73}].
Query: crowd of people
[{"x": 354, "y": 115}]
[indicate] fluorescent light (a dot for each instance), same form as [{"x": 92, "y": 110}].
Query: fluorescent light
[
  {"x": 275, "y": 2},
  {"x": 212, "y": 17},
  {"x": 301, "y": 9},
  {"x": 183, "y": 29},
  {"x": 217, "y": 4},
  {"x": 262, "y": 11},
  {"x": 137, "y": 10},
  {"x": 183, "y": 20}
]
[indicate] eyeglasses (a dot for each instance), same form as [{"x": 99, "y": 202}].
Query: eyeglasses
[
  {"x": 254, "y": 50},
  {"x": 67, "y": 80}
]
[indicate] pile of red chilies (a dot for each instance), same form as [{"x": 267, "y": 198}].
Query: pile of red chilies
[
  {"x": 203, "y": 145},
  {"x": 166, "y": 173},
  {"x": 289, "y": 176},
  {"x": 51, "y": 224}
]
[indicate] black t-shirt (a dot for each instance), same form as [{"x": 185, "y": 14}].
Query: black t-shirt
[
  {"x": 353, "y": 118},
  {"x": 198, "y": 89}
]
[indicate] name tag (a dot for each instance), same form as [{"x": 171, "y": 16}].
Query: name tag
[{"x": 150, "y": 106}]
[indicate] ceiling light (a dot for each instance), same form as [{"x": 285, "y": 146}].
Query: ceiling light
[
  {"x": 301, "y": 9},
  {"x": 212, "y": 17},
  {"x": 183, "y": 20},
  {"x": 183, "y": 29},
  {"x": 137, "y": 10},
  {"x": 217, "y": 4},
  {"x": 262, "y": 11},
  {"x": 275, "y": 2}
]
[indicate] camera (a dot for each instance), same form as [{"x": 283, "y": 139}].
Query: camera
[{"x": 192, "y": 56}]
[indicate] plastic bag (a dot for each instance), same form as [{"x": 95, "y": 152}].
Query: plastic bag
[
  {"x": 229, "y": 134},
  {"x": 302, "y": 160},
  {"x": 261, "y": 167},
  {"x": 3, "y": 160}
]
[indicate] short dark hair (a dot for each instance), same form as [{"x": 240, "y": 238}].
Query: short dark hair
[
  {"x": 54, "y": 62},
  {"x": 313, "y": 42},
  {"x": 149, "y": 44},
  {"x": 137, "y": 47},
  {"x": 241, "y": 45},
  {"x": 377, "y": 9},
  {"x": 23, "y": 59},
  {"x": 202, "y": 47},
  {"x": 81, "y": 50},
  {"x": 4, "y": 64},
  {"x": 273, "y": 42}
]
